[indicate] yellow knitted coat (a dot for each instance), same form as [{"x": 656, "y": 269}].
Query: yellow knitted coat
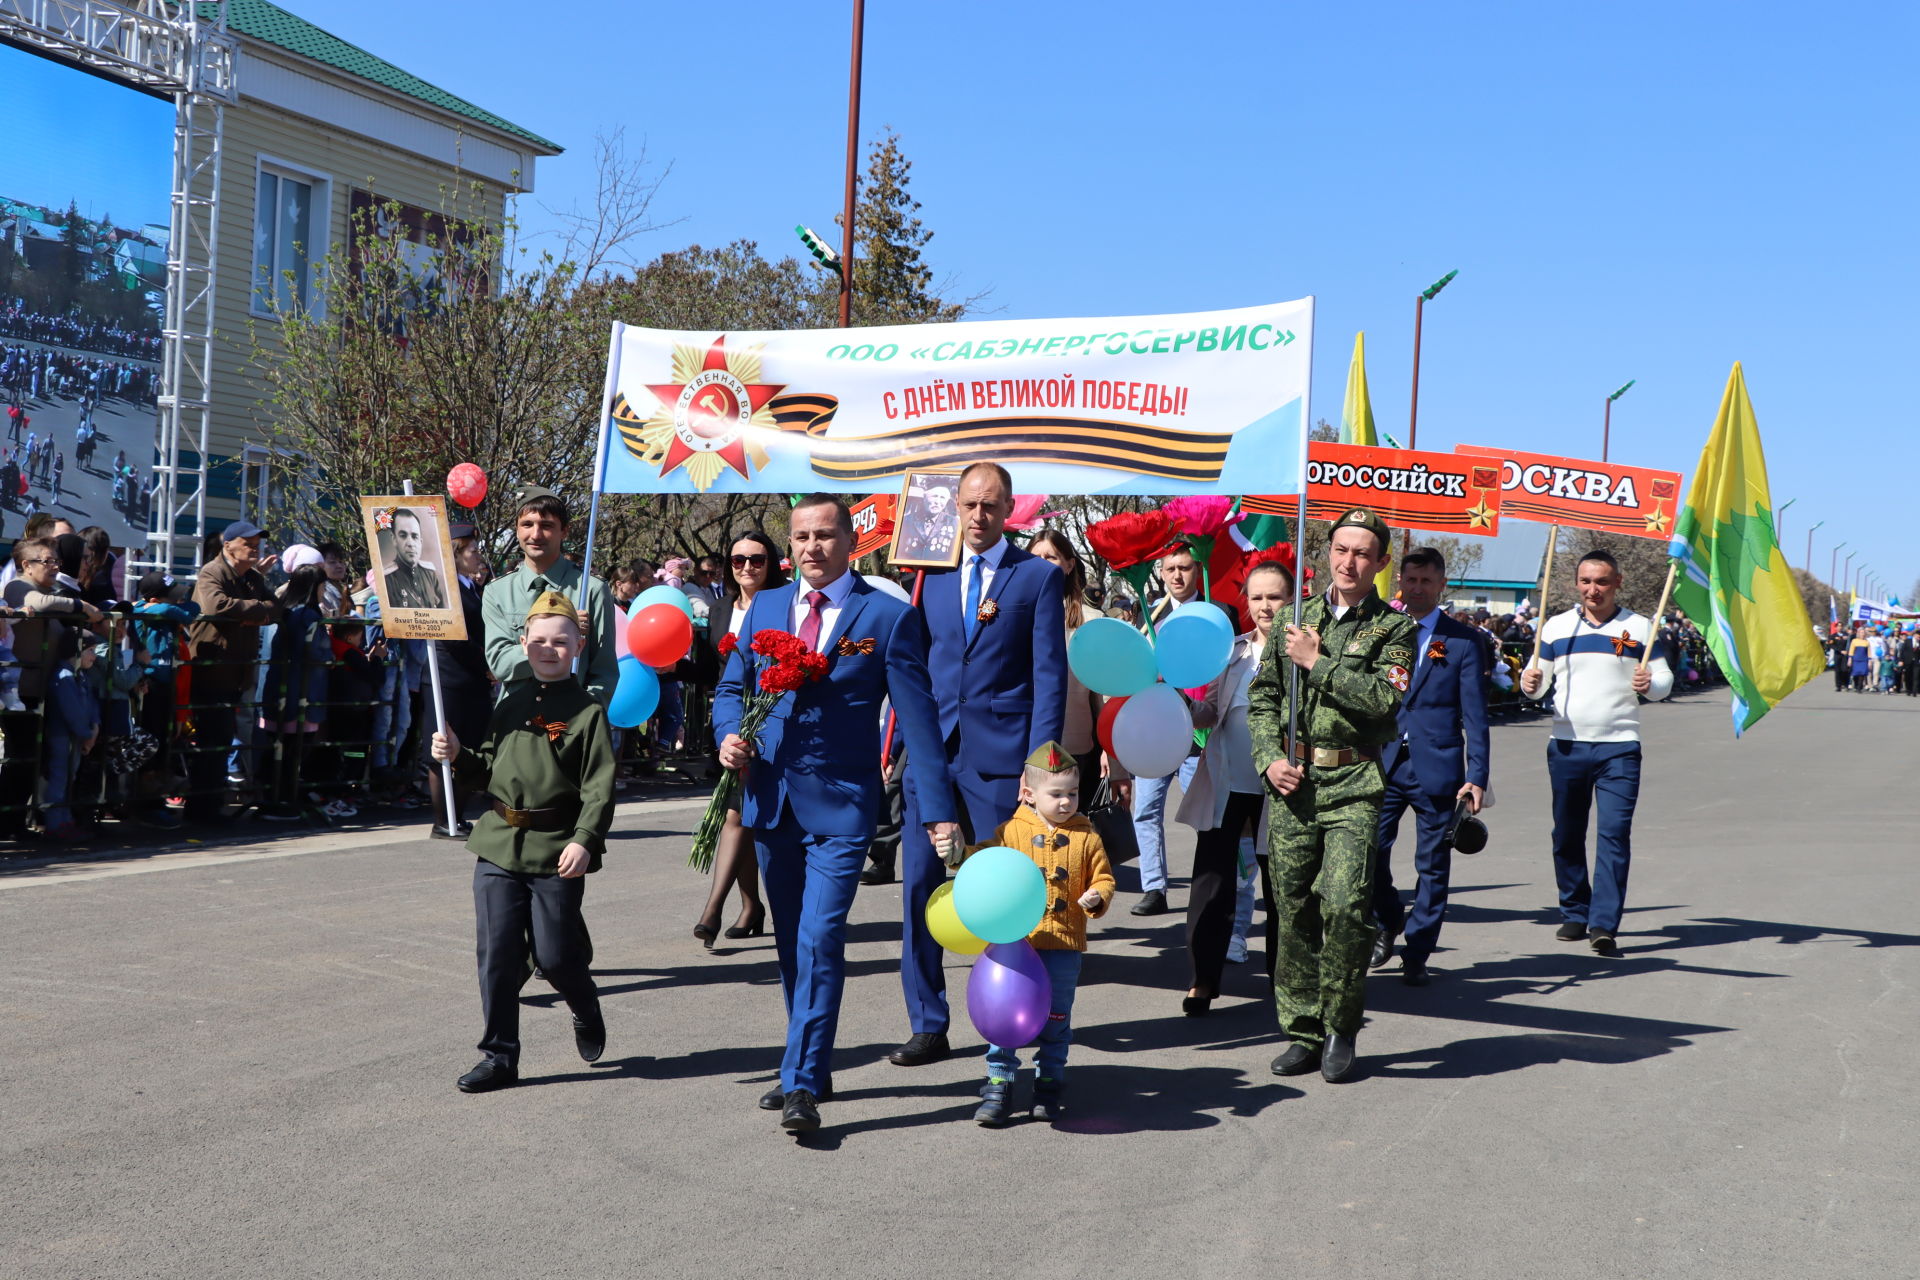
[{"x": 1074, "y": 847}]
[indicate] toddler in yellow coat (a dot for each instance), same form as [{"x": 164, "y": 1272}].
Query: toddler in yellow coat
[{"x": 1049, "y": 828}]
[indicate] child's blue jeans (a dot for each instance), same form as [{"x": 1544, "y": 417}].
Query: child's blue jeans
[{"x": 1050, "y": 1050}]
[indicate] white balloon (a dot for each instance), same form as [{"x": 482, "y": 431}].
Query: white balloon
[
  {"x": 1153, "y": 732},
  {"x": 887, "y": 585}
]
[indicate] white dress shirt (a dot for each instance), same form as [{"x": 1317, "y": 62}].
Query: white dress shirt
[
  {"x": 994, "y": 555},
  {"x": 837, "y": 592}
]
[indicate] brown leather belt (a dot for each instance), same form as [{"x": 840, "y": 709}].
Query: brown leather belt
[
  {"x": 1333, "y": 757},
  {"x": 556, "y": 819}
]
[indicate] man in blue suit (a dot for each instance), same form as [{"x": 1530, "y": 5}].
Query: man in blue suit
[
  {"x": 999, "y": 661},
  {"x": 1446, "y": 703},
  {"x": 813, "y": 788}
]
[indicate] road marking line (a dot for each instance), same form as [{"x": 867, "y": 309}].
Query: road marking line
[{"x": 290, "y": 847}]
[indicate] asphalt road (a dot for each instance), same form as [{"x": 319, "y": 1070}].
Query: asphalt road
[{"x": 240, "y": 1063}]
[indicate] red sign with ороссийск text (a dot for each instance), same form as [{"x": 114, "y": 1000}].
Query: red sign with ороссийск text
[{"x": 1406, "y": 488}]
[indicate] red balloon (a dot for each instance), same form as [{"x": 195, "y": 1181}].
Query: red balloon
[
  {"x": 1103, "y": 728},
  {"x": 467, "y": 484},
  {"x": 660, "y": 634}
]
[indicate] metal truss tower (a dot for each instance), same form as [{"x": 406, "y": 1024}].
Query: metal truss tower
[{"x": 184, "y": 50}]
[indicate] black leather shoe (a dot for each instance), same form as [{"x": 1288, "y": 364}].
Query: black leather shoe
[
  {"x": 1603, "y": 944},
  {"x": 757, "y": 927},
  {"x": 1571, "y": 931},
  {"x": 1336, "y": 1060},
  {"x": 920, "y": 1049},
  {"x": 1382, "y": 948},
  {"x": 1152, "y": 903},
  {"x": 487, "y": 1077},
  {"x": 878, "y": 873},
  {"x": 776, "y": 1098},
  {"x": 590, "y": 1036},
  {"x": 1414, "y": 973},
  {"x": 1296, "y": 1061},
  {"x": 460, "y": 832},
  {"x": 800, "y": 1114}
]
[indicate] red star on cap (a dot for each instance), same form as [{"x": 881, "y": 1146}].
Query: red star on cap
[{"x": 716, "y": 405}]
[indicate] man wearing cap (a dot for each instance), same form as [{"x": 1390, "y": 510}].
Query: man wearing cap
[
  {"x": 541, "y": 526},
  {"x": 1425, "y": 768},
  {"x": 410, "y": 584},
  {"x": 224, "y": 645},
  {"x": 1352, "y": 658}
]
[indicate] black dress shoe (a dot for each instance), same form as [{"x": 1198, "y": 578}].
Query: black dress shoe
[
  {"x": 1196, "y": 1006},
  {"x": 920, "y": 1049},
  {"x": 1603, "y": 943},
  {"x": 1382, "y": 948},
  {"x": 487, "y": 1077},
  {"x": 878, "y": 873},
  {"x": 753, "y": 930},
  {"x": 590, "y": 1036},
  {"x": 800, "y": 1114},
  {"x": 461, "y": 832},
  {"x": 1336, "y": 1060},
  {"x": 1414, "y": 973},
  {"x": 1296, "y": 1061},
  {"x": 776, "y": 1098},
  {"x": 1152, "y": 903},
  {"x": 706, "y": 933},
  {"x": 1571, "y": 931}
]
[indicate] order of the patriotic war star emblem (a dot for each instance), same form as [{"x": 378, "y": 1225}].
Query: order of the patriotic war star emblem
[{"x": 708, "y": 412}]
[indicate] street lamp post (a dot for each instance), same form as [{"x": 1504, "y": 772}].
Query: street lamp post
[
  {"x": 1810, "y": 533},
  {"x": 1833, "y": 566},
  {"x": 1846, "y": 567},
  {"x": 1427, "y": 295},
  {"x": 1781, "y": 512},
  {"x": 853, "y": 160},
  {"x": 1606, "y": 425}
]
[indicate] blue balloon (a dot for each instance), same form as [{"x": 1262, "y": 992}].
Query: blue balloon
[
  {"x": 1193, "y": 645},
  {"x": 1000, "y": 894},
  {"x": 635, "y": 696},
  {"x": 1111, "y": 658},
  {"x": 662, "y": 594}
]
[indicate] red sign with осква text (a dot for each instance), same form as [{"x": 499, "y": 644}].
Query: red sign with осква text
[
  {"x": 1585, "y": 494},
  {"x": 873, "y": 523},
  {"x": 1406, "y": 488}
]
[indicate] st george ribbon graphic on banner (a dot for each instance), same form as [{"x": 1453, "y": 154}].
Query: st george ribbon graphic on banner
[{"x": 1208, "y": 402}]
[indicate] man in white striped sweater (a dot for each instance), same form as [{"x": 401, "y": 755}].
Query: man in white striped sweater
[{"x": 1592, "y": 653}]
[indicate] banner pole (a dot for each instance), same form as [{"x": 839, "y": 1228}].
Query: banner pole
[
  {"x": 1300, "y": 541},
  {"x": 439, "y": 703},
  {"x": 1546, "y": 577},
  {"x": 1653, "y": 623},
  {"x": 607, "y": 390}
]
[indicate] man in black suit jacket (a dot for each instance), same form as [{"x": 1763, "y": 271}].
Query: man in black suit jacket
[{"x": 466, "y": 684}]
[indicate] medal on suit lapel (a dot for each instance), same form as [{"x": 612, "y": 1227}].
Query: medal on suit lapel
[{"x": 988, "y": 611}]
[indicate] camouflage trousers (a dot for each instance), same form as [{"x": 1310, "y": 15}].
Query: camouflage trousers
[{"x": 1321, "y": 847}]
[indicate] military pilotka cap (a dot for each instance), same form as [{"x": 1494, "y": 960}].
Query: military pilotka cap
[
  {"x": 551, "y": 604},
  {"x": 1361, "y": 518},
  {"x": 1051, "y": 757}
]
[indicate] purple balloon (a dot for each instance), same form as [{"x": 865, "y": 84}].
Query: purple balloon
[{"x": 1009, "y": 994}]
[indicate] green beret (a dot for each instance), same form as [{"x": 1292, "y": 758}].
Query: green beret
[{"x": 1361, "y": 518}]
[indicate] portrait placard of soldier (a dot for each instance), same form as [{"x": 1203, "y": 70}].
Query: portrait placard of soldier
[
  {"x": 926, "y": 532},
  {"x": 411, "y": 551}
]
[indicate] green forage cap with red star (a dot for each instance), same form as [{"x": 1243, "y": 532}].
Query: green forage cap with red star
[{"x": 1051, "y": 757}]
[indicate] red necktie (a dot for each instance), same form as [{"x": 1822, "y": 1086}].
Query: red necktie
[{"x": 810, "y": 625}]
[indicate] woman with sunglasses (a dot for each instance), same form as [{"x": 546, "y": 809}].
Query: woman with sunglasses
[{"x": 753, "y": 566}]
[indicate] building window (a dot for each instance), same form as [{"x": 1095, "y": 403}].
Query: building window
[{"x": 289, "y": 225}]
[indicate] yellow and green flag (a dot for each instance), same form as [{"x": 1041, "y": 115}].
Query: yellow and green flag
[
  {"x": 1731, "y": 576},
  {"x": 1356, "y": 427}
]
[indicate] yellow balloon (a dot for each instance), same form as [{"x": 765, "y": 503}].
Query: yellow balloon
[{"x": 943, "y": 922}]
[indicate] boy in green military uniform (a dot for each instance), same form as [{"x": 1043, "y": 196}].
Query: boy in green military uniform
[
  {"x": 548, "y": 762},
  {"x": 1354, "y": 654}
]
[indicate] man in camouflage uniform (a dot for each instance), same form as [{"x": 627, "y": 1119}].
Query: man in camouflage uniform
[{"x": 1354, "y": 654}]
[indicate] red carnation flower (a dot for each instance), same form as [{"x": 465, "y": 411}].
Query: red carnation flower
[
  {"x": 1131, "y": 538},
  {"x": 728, "y": 643},
  {"x": 776, "y": 644}
]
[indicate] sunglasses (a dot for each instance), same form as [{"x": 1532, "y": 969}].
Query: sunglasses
[{"x": 758, "y": 560}]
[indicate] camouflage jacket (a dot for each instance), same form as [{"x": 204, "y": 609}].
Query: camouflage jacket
[{"x": 1353, "y": 693}]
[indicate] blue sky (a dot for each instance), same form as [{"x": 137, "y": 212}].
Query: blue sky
[
  {"x": 1629, "y": 191},
  {"x": 70, "y": 136}
]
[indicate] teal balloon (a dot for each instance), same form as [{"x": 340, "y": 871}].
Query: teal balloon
[
  {"x": 1111, "y": 658},
  {"x": 635, "y": 695},
  {"x": 661, "y": 595},
  {"x": 1000, "y": 894},
  {"x": 1193, "y": 645}
]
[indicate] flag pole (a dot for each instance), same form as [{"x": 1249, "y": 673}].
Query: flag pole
[
  {"x": 1546, "y": 576},
  {"x": 1653, "y": 623},
  {"x": 1300, "y": 541},
  {"x": 440, "y": 704}
]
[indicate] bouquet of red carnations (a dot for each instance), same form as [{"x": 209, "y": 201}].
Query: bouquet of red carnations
[{"x": 779, "y": 663}]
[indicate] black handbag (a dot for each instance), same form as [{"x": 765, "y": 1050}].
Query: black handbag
[{"x": 1114, "y": 823}]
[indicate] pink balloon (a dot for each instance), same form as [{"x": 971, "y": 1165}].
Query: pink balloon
[
  {"x": 467, "y": 484},
  {"x": 1009, "y": 994}
]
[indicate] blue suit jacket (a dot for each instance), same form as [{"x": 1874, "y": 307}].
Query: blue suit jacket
[
  {"x": 820, "y": 749},
  {"x": 1446, "y": 701},
  {"x": 1005, "y": 689}
]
